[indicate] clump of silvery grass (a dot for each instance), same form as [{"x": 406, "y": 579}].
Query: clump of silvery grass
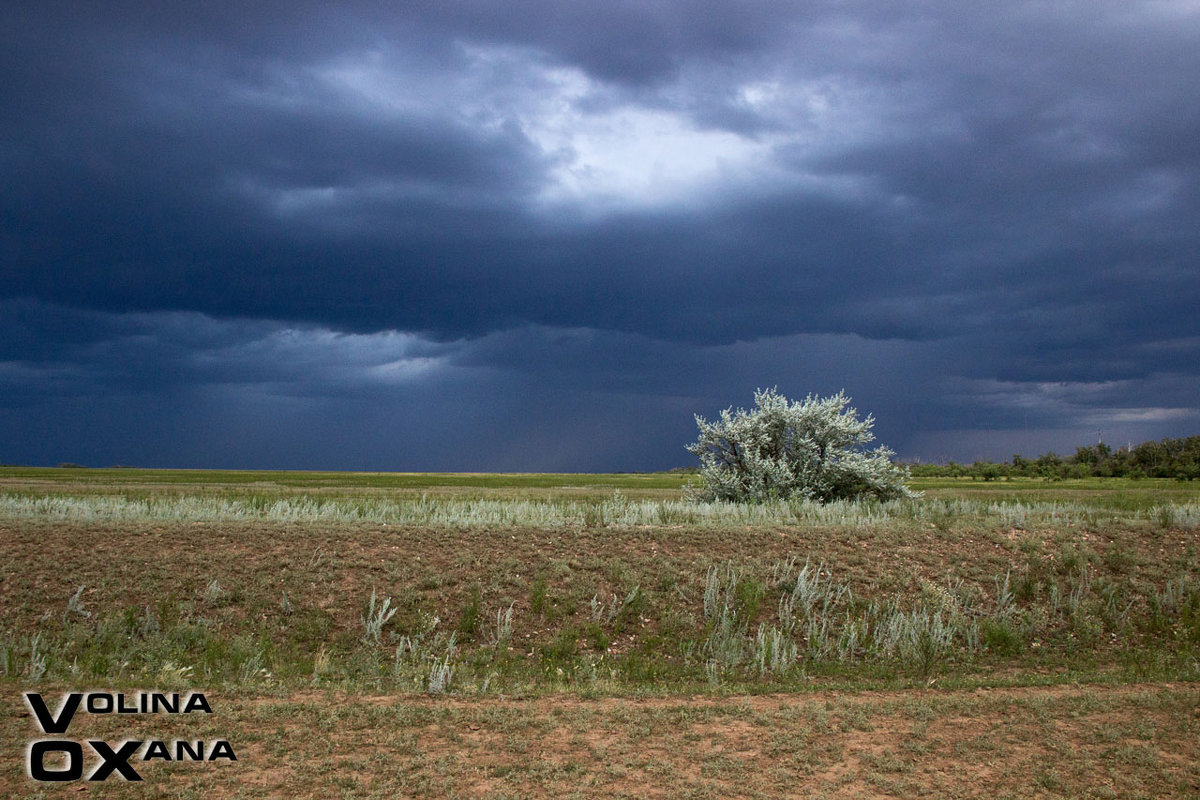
[
  {"x": 775, "y": 652},
  {"x": 253, "y": 669},
  {"x": 719, "y": 592},
  {"x": 810, "y": 596},
  {"x": 502, "y": 633},
  {"x": 726, "y": 641},
  {"x": 321, "y": 663},
  {"x": 819, "y": 622},
  {"x": 918, "y": 637},
  {"x": 631, "y": 597},
  {"x": 1115, "y": 607},
  {"x": 1177, "y": 594},
  {"x": 712, "y": 672},
  {"x": 426, "y": 660},
  {"x": 616, "y": 511},
  {"x": 601, "y": 612},
  {"x": 1177, "y": 515},
  {"x": 75, "y": 606},
  {"x": 376, "y": 617},
  {"x": 1080, "y": 583},
  {"x": 148, "y": 623},
  {"x": 441, "y": 673},
  {"x": 213, "y": 592},
  {"x": 1004, "y": 595},
  {"x": 36, "y": 667}
]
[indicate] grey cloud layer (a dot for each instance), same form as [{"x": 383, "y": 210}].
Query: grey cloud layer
[
  {"x": 181, "y": 389},
  {"x": 605, "y": 197}
]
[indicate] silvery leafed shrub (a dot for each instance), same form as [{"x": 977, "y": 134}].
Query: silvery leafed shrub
[{"x": 813, "y": 449}]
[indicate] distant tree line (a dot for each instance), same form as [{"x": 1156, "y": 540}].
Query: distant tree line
[{"x": 1169, "y": 458}]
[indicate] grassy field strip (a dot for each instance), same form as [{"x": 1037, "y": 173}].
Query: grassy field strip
[
  {"x": 1117, "y": 493},
  {"x": 1101, "y": 741},
  {"x": 615, "y": 510},
  {"x": 255, "y": 603},
  {"x": 354, "y": 480}
]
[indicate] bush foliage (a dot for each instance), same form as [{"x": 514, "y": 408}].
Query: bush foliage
[{"x": 812, "y": 449}]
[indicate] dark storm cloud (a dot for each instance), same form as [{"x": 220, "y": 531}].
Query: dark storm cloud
[
  {"x": 303, "y": 205},
  {"x": 181, "y": 389},
  {"x": 220, "y": 172},
  {"x": 557, "y": 399}
]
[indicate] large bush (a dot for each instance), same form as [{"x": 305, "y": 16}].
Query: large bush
[{"x": 812, "y": 449}]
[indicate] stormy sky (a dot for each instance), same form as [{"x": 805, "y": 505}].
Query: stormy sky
[{"x": 541, "y": 235}]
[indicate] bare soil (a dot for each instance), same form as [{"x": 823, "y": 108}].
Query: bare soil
[{"x": 1118, "y": 741}]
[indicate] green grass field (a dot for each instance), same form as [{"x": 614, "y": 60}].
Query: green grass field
[
  {"x": 532, "y": 635},
  {"x": 127, "y": 477}
]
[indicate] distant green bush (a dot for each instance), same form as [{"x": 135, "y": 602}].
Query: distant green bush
[{"x": 1169, "y": 458}]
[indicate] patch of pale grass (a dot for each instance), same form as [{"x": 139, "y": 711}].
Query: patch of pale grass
[{"x": 617, "y": 511}]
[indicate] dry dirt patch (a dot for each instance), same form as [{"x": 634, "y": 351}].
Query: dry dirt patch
[{"x": 1123, "y": 741}]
